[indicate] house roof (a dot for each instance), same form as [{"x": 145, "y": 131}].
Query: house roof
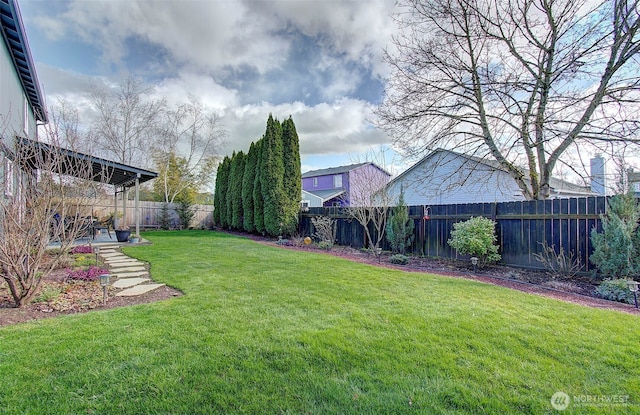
[
  {"x": 104, "y": 171},
  {"x": 327, "y": 194},
  {"x": 556, "y": 184},
  {"x": 340, "y": 169},
  {"x": 15, "y": 38}
]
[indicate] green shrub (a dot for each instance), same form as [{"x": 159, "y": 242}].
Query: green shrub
[
  {"x": 325, "y": 245},
  {"x": 616, "y": 250},
  {"x": 399, "y": 259},
  {"x": 83, "y": 260},
  {"x": 476, "y": 237},
  {"x": 400, "y": 227},
  {"x": 48, "y": 293},
  {"x": 615, "y": 290}
]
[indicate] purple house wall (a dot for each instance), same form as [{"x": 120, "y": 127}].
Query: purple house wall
[{"x": 345, "y": 185}]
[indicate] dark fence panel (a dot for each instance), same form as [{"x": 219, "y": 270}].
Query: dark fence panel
[{"x": 522, "y": 227}]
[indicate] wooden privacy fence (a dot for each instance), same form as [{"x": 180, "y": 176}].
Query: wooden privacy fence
[
  {"x": 150, "y": 211},
  {"x": 522, "y": 227}
]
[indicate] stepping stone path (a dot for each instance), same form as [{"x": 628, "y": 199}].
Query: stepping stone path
[{"x": 131, "y": 275}]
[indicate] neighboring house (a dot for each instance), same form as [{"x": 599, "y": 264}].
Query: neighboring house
[
  {"x": 633, "y": 181},
  {"x": 22, "y": 104},
  {"x": 445, "y": 177},
  {"x": 351, "y": 185}
]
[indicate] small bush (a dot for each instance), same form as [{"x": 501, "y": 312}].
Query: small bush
[
  {"x": 616, "y": 250},
  {"x": 400, "y": 227},
  {"x": 90, "y": 274},
  {"x": 559, "y": 263},
  {"x": 82, "y": 249},
  {"x": 66, "y": 261},
  {"x": 48, "y": 293},
  {"x": 476, "y": 237},
  {"x": 399, "y": 259},
  {"x": 82, "y": 261},
  {"x": 615, "y": 290},
  {"x": 325, "y": 230},
  {"x": 325, "y": 245}
]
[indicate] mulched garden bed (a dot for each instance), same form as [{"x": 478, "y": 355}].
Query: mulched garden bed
[{"x": 57, "y": 295}]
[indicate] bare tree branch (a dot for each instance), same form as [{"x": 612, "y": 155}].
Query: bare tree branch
[{"x": 518, "y": 81}]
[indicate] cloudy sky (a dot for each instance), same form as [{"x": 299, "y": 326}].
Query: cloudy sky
[{"x": 316, "y": 60}]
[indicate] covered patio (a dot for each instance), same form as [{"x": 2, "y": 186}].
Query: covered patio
[{"x": 121, "y": 176}]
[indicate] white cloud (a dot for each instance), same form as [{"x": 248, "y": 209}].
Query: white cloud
[
  {"x": 204, "y": 34},
  {"x": 336, "y": 128},
  {"x": 213, "y": 35},
  {"x": 358, "y": 30}
]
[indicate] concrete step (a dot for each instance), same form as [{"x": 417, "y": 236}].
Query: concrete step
[
  {"x": 128, "y": 270},
  {"x": 138, "y": 290},
  {"x": 110, "y": 254},
  {"x": 124, "y": 262},
  {"x": 129, "y": 282},
  {"x": 131, "y": 274}
]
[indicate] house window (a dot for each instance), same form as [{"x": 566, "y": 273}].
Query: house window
[
  {"x": 304, "y": 204},
  {"x": 336, "y": 204},
  {"x": 25, "y": 113},
  {"x": 337, "y": 180},
  {"x": 315, "y": 182}
]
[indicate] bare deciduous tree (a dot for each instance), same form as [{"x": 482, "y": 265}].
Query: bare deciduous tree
[
  {"x": 325, "y": 229},
  {"x": 192, "y": 135},
  {"x": 370, "y": 200},
  {"x": 126, "y": 122},
  {"x": 47, "y": 196},
  {"x": 522, "y": 82}
]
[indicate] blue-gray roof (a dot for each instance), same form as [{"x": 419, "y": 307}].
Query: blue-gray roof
[
  {"x": 15, "y": 38},
  {"x": 327, "y": 194},
  {"x": 338, "y": 170}
]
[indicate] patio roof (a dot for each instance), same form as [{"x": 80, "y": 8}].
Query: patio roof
[{"x": 104, "y": 171}]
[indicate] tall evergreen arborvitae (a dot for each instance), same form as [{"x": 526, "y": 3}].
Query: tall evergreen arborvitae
[
  {"x": 229, "y": 195},
  {"x": 236, "y": 191},
  {"x": 272, "y": 177},
  {"x": 400, "y": 227},
  {"x": 248, "y": 180},
  {"x": 292, "y": 182},
  {"x": 258, "y": 201},
  {"x": 220, "y": 196}
]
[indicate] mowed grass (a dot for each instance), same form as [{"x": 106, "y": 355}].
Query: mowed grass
[{"x": 263, "y": 330}]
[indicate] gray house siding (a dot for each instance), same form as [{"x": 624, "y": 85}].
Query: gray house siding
[
  {"x": 12, "y": 101},
  {"x": 447, "y": 178},
  {"x": 20, "y": 93}
]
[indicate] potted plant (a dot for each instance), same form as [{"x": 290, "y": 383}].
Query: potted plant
[
  {"x": 122, "y": 235},
  {"x": 134, "y": 239}
]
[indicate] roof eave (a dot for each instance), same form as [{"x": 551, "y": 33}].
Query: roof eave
[{"x": 15, "y": 38}]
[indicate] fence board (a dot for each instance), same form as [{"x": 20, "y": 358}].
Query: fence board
[
  {"x": 521, "y": 227},
  {"x": 149, "y": 212}
]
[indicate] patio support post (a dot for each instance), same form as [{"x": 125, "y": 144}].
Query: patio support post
[
  {"x": 124, "y": 207},
  {"x": 138, "y": 205},
  {"x": 115, "y": 205}
]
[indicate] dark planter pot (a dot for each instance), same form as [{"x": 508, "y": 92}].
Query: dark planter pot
[{"x": 123, "y": 235}]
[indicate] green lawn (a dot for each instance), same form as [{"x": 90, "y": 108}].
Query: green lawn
[{"x": 264, "y": 330}]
